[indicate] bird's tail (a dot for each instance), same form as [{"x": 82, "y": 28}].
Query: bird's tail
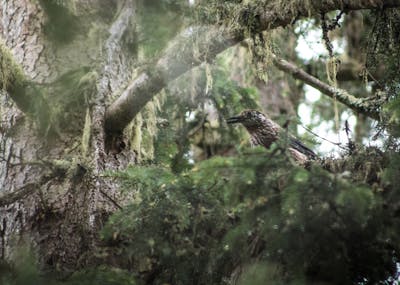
[{"x": 299, "y": 146}]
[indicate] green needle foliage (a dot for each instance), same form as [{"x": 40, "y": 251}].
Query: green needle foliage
[
  {"x": 229, "y": 215},
  {"x": 24, "y": 271},
  {"x": 257, "y": 215}
]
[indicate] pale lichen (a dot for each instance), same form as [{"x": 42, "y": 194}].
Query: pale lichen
[
  {"x": 86, "y": 133},
  {"x": 135, "y": 135},
  {"x": 143, "y": 131}
]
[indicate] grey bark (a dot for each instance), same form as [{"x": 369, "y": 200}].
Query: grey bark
[
  {"x": 55, "y": 191},
  {"x": 361, "y": 105},
  {"x": 52, "y": 193},
  {"x": 198, "y": 44}
]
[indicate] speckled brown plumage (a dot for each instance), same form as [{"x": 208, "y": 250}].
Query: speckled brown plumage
[{"x": 263, "y": 131}]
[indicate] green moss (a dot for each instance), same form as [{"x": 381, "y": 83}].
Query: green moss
[
  {"x": 11, "y": 73},
  {"x": 70, "y": 95},
  {"x": 61, "y": 25},
  {"x": 143, "y": 131},
  {"x": 27, "y": 95},
  {"x": 135, "y": 135}
]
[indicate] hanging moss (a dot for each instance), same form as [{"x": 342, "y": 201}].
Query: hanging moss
[
  {"x": 135, "y": 135},
  {"x": 71, "y": 95},
  {"x": 61, "y": 25},
  {"x": 143, "y": 131},
  {"x": 86, "y": 133}
]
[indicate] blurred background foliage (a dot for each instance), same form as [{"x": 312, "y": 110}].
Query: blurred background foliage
[{"x": 204, "y": 208}]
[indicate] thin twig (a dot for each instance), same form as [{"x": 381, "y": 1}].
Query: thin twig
[
  {"x": 111, "y": 199},
  {"x": 24, "y": 191},
  {"x": 322, "y": 138},
  {"x": 213, "y": 40}
]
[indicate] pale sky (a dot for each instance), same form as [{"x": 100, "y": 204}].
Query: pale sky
[{"x": 310, "y": 47}]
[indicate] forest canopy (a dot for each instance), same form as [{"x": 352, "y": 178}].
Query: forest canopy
[{"x": 133, "y": 175}]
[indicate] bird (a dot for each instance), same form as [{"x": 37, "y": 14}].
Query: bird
[{"x": 264, "y": 131}]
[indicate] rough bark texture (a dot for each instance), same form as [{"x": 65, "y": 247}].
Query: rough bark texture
[
  {"x": 17, "y": 28},
  {"x": 51, "y": 189},
  {"x": 199, "y": 44},
  {"x": 360, "y": 105},
  {"x": 21, "y": 24}
]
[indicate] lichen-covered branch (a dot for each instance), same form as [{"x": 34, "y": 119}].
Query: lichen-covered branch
[
  {"x": 360, "y": 105},
  {"x": 10, "y": 72},
  {"x": 192, "y": 47},
  {"x": 198, "y": 44},
  {"x": 25, "y": 94}
]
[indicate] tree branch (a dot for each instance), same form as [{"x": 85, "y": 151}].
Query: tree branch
[
  {"x": 58, "y": 169},
  {"x": 14, "y": 196},
  {"x": 26, "y": 95},
  {"x": 198, "y": 44},
  {"x": 189, "y": 49},
  {"x": 24, "y": 191},
  {"x": 360, "y": 105}
]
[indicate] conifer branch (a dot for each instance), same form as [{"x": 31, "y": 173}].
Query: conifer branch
[{"x": 198, "y": 44}]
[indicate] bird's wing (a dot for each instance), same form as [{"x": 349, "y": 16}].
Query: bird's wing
[{"x": 299, "y": 146}]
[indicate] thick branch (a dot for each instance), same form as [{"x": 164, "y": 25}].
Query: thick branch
[
  {"x": 192, "y": 47},
  {"x": 360, "y": 105},
  {"x": 199, "y": 44},
  {"x": 28, "y": 98}
]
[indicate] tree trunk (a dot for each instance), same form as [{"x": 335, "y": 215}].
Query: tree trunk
[
  {"x": 52, "y": 192},
  {"x": 75, "y": 55}
]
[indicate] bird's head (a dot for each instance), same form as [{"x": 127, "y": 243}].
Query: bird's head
[{"x": 248, "y": 118}]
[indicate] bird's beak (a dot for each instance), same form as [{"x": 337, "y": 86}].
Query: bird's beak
[{"x": 234, "y": 120}]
